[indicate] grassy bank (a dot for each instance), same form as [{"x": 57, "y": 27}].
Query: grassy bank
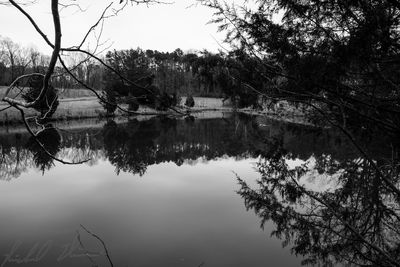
[
  {"x": 62, "y": 93},
  {"x": 81, "y": 104},
  {"x": 89, "y": 107}
]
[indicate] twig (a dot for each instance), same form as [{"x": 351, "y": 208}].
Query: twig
[{"x": 102, "y": 242}]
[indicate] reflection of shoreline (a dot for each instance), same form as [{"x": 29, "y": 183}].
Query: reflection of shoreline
[
  {"x": 97, "y": 123},
  {"x": 132, "y": 145},
  {"x": 198, "y": 114}
]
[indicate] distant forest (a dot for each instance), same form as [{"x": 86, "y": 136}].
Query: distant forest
[{"x": 199, "y": 73}]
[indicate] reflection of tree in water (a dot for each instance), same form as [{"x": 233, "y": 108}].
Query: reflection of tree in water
[
  {"x": 357, "y": 221},
  {"x": 51, "y": 141},
  {"x": 14, "y": 159},
  {"x": 129, "y": 147},
  {"x": 133, "y": 146}
]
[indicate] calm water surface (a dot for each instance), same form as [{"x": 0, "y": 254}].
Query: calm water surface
[{"x": 158, "y": 192}]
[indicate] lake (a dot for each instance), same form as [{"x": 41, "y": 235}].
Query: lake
[{"x": 154, "y": 191}]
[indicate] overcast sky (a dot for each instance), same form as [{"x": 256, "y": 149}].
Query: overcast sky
[{"x": 161, "y": 27}]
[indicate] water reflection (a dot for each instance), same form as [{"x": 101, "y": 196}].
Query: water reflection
[
  {"x": 44, "y": 146},
  {"x": 134, "y": 145},
  {"x": 315, "y": 192},
  {"x": 355, "y": 220}
]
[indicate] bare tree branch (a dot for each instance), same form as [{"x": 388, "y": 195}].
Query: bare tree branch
[{"x": 102, "y": 242}]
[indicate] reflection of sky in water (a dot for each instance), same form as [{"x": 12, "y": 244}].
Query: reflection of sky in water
[
  {"x": 171, "y": 216},
  {"x": 314, "y": 180}
]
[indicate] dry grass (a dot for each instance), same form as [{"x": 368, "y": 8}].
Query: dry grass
[
  {"x": 80, "y": 103},
  {"x": 74, "y": 93},
  {"x": 62, "y": 93},
  {"x": 3, "y": 90},
  {"x": 205, "y": 102},
  {"x": 78, "y": 108},
  {"x": 69, "y": 108},
  {"x": 74, "y": 103}
]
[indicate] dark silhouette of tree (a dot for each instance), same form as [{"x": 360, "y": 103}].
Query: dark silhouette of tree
[
  {"x": 340, "y": 57},
  {"x": 189, "y": 102},
  {"x": 110, "y": 103}
]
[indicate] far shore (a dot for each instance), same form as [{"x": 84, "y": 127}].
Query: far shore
[{"x": 205, "y": 107}]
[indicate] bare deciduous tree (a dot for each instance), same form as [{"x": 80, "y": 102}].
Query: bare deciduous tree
[{"x": 59, "y": 53}]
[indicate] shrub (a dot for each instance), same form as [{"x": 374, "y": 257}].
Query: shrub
[
  {"x": 133, "y": 104},
  {"x": 163, "y": 101},
  {"x": 189, "y": 101},
  {"x": 110, "y": 103}
]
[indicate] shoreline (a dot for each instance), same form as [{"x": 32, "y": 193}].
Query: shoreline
[
  {"x": 98, "y": 122},
  {"x": 84, "y": 108}
]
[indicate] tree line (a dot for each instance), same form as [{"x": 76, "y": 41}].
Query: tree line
[
  {"x": 161, "y": 77},
  {"x": 17, "y": 60},
  {"x": 175, "y": 74}
]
